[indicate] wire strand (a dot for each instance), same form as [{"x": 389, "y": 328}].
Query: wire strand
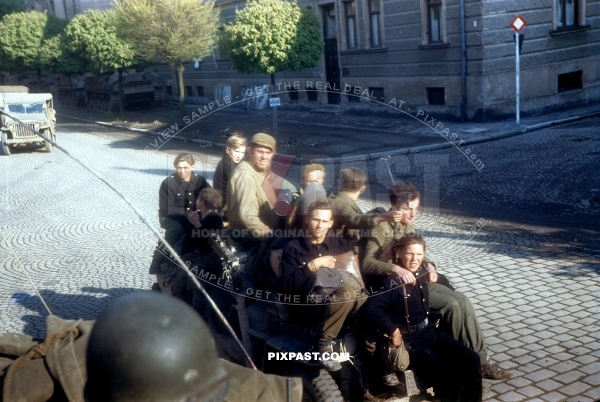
[
  {"x": 25, "y": 271},
  {"x": 156, "y": 233}
]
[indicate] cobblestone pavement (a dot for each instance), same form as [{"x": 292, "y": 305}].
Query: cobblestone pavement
[{"x": 504, "y": 235}]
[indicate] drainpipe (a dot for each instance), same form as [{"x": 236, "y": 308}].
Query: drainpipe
[{"x": 463, "y": 72}]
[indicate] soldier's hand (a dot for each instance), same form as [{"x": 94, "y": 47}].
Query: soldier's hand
[
  {"x": 392, "y": 216},
  {"x": 194, "y": 219},
  {"x": 406, "y": 277},
  {"x": 396, "y": 339},
  {"x": 326, "y": 261},
  {"x": 433, "y": 276}
]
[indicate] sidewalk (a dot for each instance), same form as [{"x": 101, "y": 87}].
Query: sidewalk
[{"x": 346, "y": 137}]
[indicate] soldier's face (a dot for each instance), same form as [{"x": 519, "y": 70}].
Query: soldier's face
[
  {"x": 184, "y": 170},
  {"x": 411, "y": 256},
  {"x": 236, "y": 154},
  {"x": 315, "y": 176},
  {"x": 260, "y": 157},
  {"x": 319, "y": 222},
  {"x": 409, "y": 211}
]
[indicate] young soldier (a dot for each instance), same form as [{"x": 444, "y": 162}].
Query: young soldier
[
  {"x": 458, "y": 317},
  {"x": 301, "y": 260}
]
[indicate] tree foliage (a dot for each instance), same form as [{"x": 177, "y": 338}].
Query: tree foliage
[
  {"x": 94, "y": 37},
  {"x": 169, "y": 31},
  {"x": 11, "y": 6},
  {"x": 273, "y": 35},
  {"x": 26, "y": 40},
  {"x": 67, "y": 61}
]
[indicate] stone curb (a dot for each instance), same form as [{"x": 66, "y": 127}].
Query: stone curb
[
  {"x": 371, "y": 156},
  {"x": 144, "y": 131}
]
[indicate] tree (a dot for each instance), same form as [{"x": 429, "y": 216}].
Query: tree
[
  {"x": 24, "y": 40},
  {"x": 11, "y": 6},
  {"x": 94, "y": 37},
  {"x": 169, "y": 31},
  {"x": 270, "y": 36},
  {"x": 60, "y": 59}
]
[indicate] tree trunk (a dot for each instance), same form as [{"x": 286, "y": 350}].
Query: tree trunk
[
  {"x": 121, "y": 97},
  {"x": 180, "y": 69}
]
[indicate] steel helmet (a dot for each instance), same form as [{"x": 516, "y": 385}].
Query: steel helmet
[{"x": 152, "y": 347}]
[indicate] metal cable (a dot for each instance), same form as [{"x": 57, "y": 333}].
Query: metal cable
[
  {"x": 25, "y": 271},
  {"x": 176, "y": 256}
]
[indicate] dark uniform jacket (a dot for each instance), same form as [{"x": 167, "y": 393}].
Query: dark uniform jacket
[
  {"x": 198, "y": 239},
  {"x": 222, "y": 174},
  {"x": 176, "y": 197},
  {"x": 387, "y": 308},
  {"x": 296, "y": 277}
]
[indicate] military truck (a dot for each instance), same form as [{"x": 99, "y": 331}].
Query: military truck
[
  {"x": 101, "y": 92},
  {"x": 35, "y": 110}
]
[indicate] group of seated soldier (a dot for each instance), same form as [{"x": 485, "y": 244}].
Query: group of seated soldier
[{"x": 412, "y": 316}]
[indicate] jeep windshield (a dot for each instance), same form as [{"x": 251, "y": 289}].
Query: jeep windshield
[{"x": 27, "y": 108}]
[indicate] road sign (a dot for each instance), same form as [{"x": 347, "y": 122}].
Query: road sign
[
  {"x": 518, "y": 23},
  {"x": 275, "y": 102}
]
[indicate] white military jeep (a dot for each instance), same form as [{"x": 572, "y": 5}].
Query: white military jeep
[{"x": 35, "y": 110}]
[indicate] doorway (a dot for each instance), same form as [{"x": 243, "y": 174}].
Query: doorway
[{"x": 332, "y": 64}]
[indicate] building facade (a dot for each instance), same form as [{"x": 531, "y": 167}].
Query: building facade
[
  {"x": 67, "y": 9},
  {"x": 451, "y": 58}
]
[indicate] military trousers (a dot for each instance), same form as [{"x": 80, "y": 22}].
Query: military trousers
[
  {"x": 345, "y": 302},
  {"x": 458, "y": 317}
]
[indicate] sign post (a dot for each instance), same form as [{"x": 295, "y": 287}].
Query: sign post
[
  {"x": 518, "y": 23},
  {"x": 274, "y": 102}
]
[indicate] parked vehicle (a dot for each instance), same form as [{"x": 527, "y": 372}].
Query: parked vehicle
[
  {"x": 34, "y": 110},
  {"x": 101, "y": 92}
]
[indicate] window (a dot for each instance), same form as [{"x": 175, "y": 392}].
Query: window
[
  {"x": 436, "y": 96},
  {"x": 375, "y": 22},
  {"x": 570, "y": 81},
  {"x": 434, "y": 13},
  {"x": 312, "y": 95},
  {"x": 293, "y": 94},
  {"x": 350, "y": 10},
  {"x": 568, "y": 14},
  {"x": 433, "y": 22},
  {"x": 189, "y": 91},
  {"x": 200, "y": 91},
  {"x": 169, "y": 90}
]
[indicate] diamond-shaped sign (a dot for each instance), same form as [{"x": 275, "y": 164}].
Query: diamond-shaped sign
[{"x": 518, "y": 23}]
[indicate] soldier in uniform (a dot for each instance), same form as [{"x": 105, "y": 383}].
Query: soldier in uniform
[
  {"x": 458, "y": 318},
  {"x": 346, "y": 213},
  {"x": 177, "y": 197},
  {"x": 250, "y": 196}
]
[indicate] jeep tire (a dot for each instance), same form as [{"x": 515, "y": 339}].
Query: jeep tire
[
  {"x": 5, "y": 145},
  {"x": 319, "y": 385}
]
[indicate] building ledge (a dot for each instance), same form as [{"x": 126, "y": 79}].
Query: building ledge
[
  {"x": 435, "y": 46},
  {"x": 364, "y": 51},
  {"x": 569, "y": 30}
]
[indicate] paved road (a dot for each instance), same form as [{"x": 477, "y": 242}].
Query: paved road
[{"x": 519, "y": 237}]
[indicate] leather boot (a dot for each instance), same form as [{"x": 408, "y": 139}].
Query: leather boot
[{"x": 326, "y": 346}]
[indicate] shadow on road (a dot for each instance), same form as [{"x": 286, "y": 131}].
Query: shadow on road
[{"x": 67, "y": 306}]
